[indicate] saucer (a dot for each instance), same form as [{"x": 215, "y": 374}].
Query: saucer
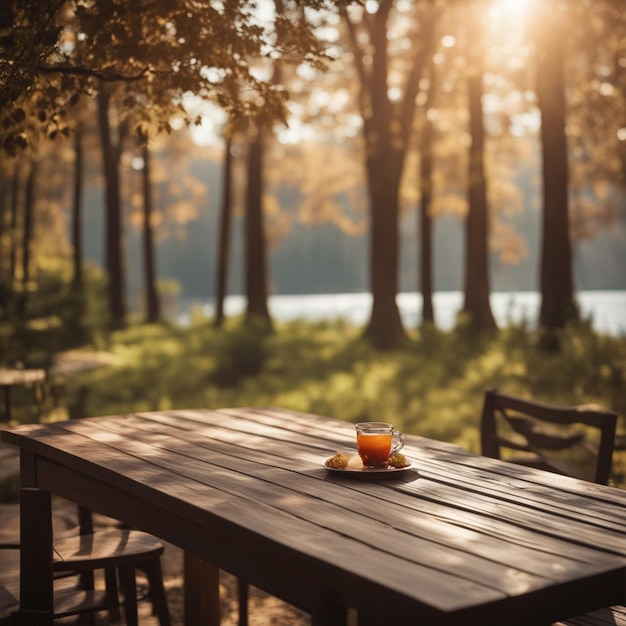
[{"x": 370, "y": 472}]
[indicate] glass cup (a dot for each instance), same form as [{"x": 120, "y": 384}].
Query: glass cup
[{"x": 374, "y": 441}]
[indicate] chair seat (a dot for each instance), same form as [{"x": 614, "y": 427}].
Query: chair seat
[
  {"x": 105, "y": 548},
  {"x": 68, "y": 598}
]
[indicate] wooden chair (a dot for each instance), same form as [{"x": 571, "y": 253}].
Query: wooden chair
[
  {"x": 549, "y": 437},
  {"x": 116, "y": 551},
  {"x": 119, "y": 552},
  {"x": 68, "y": 598},
  {"x": 536, "y": 434}
]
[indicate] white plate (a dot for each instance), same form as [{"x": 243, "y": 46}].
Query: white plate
[{"x": 369, "y": 472}]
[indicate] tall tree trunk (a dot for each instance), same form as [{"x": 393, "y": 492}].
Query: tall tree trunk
[
  {"x": 114, "y": 249},
  {"x": 477, "y": 305},
  {"x": 426, "y": 194},
  {"x": 556, "y": 282},
  {"x": 27, "y": 236},
  {"x": 255, "y": 240},
  {"x": 224, "y": 230},
  {"x": 15, "y": 194},
  {"x": 77, "y": 210},
  {"x": 4, "y": 212},
  {"x": 384, "y": 171},
  {"x": 384, "y": 328},
  {"x": 387, "y": 130},
  {"x": 77, "y": 310},
  {"x": 153, "y": 306},
  {"x": 256, "y": 248}
]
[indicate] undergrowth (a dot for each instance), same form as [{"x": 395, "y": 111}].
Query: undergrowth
[{"x": 433, "y": 386}]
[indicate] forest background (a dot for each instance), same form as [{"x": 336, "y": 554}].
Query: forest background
[
  {"x": 416, "y": 159},
  {"x": 423, "y": 146}
]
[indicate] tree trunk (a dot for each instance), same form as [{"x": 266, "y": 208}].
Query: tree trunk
[
  {"x": 556, "y": 282},
  {"x": 15, "y": 193},
  {"x": 3, "y": 214},
  {"x": 384, "y": 170},
  {"x": 426, "y": 228},
  {"x": 477, "y": 305},
  {"x": 426, "y": 194},
  {"x": 77, "y": 210},
  {"x": 387, "y": 130},
  {"x": 224, "y": 231},
  {"x": 114, "y": 249},
  {"x": 255, "y": 245},
  {"x": 384, "y": 328},
  {"x": 27, "y": 236},
  {"x": 153, "y": 306},
  {"x": 3, "y": 273}
]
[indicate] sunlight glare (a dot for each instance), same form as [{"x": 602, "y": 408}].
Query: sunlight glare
[
  {"x": 511, "y": 10},
  {"x": 507, "y": 23},
  {"x": 448, "y": 41}
]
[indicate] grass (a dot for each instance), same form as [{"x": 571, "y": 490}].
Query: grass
[{"x": 433, "y": 386}]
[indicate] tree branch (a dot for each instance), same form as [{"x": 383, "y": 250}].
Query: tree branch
[{"x": 105, "y": 74}]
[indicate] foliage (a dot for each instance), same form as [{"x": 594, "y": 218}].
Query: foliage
[
  {"x": 52, "y": 55},
  {"x": 56, "y": 317},
  {"x": 432, "y": 387}
]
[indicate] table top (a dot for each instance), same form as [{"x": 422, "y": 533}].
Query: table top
[{"x": 456, "y": 539}]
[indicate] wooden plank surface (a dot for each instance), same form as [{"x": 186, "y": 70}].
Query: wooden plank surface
[{"x": 458, "y": 536}]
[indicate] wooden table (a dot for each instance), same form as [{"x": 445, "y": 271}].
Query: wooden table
[
  {"x": 10, "y": 378},
  {"x": 456, "y": 540}
]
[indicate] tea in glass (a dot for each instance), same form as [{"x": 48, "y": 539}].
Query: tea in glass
[{"x": 374, "y": 442}]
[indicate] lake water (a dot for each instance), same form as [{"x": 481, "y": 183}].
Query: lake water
[{"x": 606, "y": 309}]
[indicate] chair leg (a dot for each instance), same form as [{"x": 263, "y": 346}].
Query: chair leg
[
  {"x": 110, "y": 584},
  {"x": 154, "y": 574},
  {"x": 129, "y": 587},
  {"x": 87, "y": 580}
]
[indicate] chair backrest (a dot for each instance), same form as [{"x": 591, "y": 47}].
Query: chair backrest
[{"x": 547, "y": 436}]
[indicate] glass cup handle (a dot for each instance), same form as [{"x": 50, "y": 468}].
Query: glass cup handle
[{"x": 400, "y": 443}]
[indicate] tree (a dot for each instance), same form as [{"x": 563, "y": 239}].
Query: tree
[
  {"x": 294, "y": 50},
  {"x": 223, "y": 245},
  {"x": 426, "y": 194},
  {"x": 3, "y": 223},
  {"x": 157, "y": 52},
  {"x": 477, "y": 291},
  {"x": 14, "y": 219},
  {"x": 51, "y": 54},
  {"x": 27, "y": 235},
  {"x": 596, "y": 86},
  {"x": 153, "y": 307},
  {"x": 111, "y": 152},
  {"x": 387, "y": 128},
  {"x": 255, "y": 248},
  {"x": 556, "y": 282},
  {"x": 77, "y": 210}
]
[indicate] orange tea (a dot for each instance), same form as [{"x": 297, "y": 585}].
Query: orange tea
[
  {"x": 374, "y": 442},
  {"x": 374, "y": 449}
]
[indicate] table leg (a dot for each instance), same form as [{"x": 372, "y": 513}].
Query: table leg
[
  {"x": 202, "y": 592},
  {"x": 330, "y": 609},
  {"x": 242, "y": 598},
  {"x": 36, "y": 591}
]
